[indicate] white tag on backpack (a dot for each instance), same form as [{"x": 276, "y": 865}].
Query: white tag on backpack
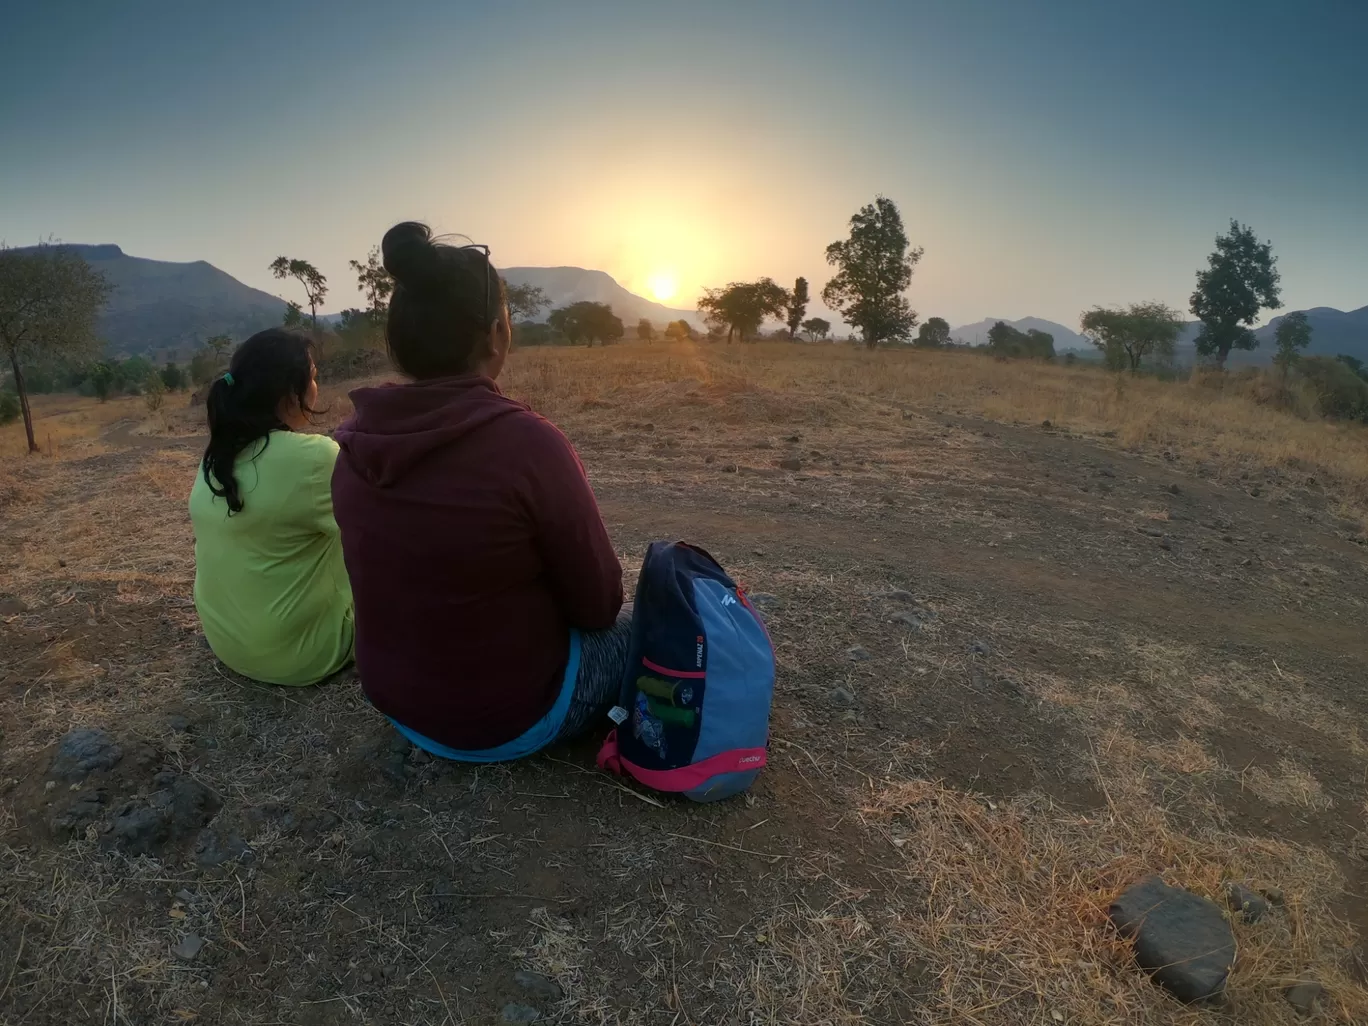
[{"x": 618, "y": 715}]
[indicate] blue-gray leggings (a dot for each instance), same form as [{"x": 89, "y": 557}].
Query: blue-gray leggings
[{"x": 603, "y": 660}]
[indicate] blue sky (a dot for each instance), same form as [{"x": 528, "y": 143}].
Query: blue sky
[{"x": 1048, "y": 156}]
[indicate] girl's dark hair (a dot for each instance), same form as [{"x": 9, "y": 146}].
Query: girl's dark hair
[
  {"x": 445, "y": 298},
  {"x": 244, "y": 404}
]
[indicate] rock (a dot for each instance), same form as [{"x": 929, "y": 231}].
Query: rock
[
  {"x": 911, "y": 620},
  {"x": 730, "y": 468},
  {"x": 896, "y": 595},
  {"x": 842, "y": 696},
  {"x": 1173, "y": 489},
  {"x": 1166, "y": 545},
  {"x": 710, "y": 458},
  {"x": 1303, "y": 996},
  {"x": 514, "y": 1012},
  {"x": 791, "y": 464},
  {"x": 858, "y": 654},
  {"x": 1274, "y": 895},
  {"x": 794, "y": 439},
  {"x": 1046, "y": 425},
  {"x": 1182, "y": 939},
  {"x": 178, "y": 723},
  {"x": 765, "y": 602},
  {"x": 980, "y": 648},
  {"x": 538, "y": 986},
  {"x": 188, "y": 947},
  {"x": 72, "y": 821},
  {"x": 1249, "y": 904},
  {"x": 81, "y": 752}
]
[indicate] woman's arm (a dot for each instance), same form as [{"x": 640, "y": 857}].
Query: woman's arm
[{"x": 574, "y": 545}]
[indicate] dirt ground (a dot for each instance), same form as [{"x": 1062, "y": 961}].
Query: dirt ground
[{"x": 1017, "y": 667}]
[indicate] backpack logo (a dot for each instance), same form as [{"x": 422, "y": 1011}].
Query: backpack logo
[{"x": 729, "y": 600}]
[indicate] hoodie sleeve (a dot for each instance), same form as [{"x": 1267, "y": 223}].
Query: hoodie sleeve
[{"x": 574, "y": 545}]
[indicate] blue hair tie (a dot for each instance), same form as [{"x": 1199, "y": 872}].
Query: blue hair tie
[{"x": 228, "y": 378}]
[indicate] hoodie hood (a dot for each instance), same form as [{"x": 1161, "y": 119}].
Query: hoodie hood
[{"x": 396, "y": 427}]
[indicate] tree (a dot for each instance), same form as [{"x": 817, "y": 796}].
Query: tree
[
  {"x": 101, "y": 380},
  {"x": 1293, "y": 334},
  {"x": 1354, "y": 364},
  {"x": 1005, "y": 340},
  {"x": 154, "y": 392},
  {"x": 1126, "y": 336},
  {"x": 210, "y": 360},
  {"x": 525, "y": 302},
  {"x": 742, "y": 307},
  {"x": 587, "y": 322},
  {"x": 294, "y": 317},
  {"x": 309, "y": 276},
  {"x": 645, "y": 330},
  {"x": 172, "y": 377},
  {"x": 797, "y": 306},
  {"x": 679, "y": 330},
  {"x": 1241, "y": 279},
  {"x": 49, "y": 300},
  {"x": 876, "y": 266},
  {"x": 816, "y": 328},
  {"x": 934, "y": 334},
  {"x": 373, "y": 281}
]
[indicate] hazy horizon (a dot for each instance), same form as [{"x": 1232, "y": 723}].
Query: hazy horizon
[{"x": 1047, "y": 161}]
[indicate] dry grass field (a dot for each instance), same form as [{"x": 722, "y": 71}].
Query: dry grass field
[{"x": 1020, "y": 665}]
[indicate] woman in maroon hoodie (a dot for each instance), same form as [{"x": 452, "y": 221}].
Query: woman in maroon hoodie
[{"x": 488, "y": 595}]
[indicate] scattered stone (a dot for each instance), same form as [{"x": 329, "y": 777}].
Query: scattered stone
[
  {"x": 791, "y": 464},
  {"x": 1166, "y": 545},
  {"x": 793, "y": 439},
  {"x": 1248, "y": 903},
  {"x": 858, "y": 654},
  {"x": 1303, "y": 997},
  {"x": 907, "y": 619},
  {"x": 841, "y": 696},
  {"x": 1254, "y": 492},
  {"x": 1152, "y": 532},
  {"x": 61, "y": 562},
  {"x": 178, "y": 723},
  {"x": 710, "y": 458},
  {"x": 73, "y": 821},
  {"x": 850, "y": 716},
  {"x": 514, "y": 1012},
  {"x": 765, "y": 602},
  {"x": 82, "y": 752},
  {"x": 1182, "y": 939},
  {"x": 896, "y": 595},
  {"x": 539, "y": 986},
  {"x": 1046, "y": 425},
  {"x": 980, "y": 648},
  {"x": 1274, "y": 895},
  {"x": 730, "y": 468},
  {"x": 188, "y": 947},
  {"x": 1173, "y": 489}
]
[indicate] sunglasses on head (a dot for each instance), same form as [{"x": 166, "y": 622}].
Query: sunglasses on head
[{"x": 489, "y": 272}]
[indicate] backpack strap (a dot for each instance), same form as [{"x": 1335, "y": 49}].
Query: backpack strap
[{"x": 608, "y": 757}]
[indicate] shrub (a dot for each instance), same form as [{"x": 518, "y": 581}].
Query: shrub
[
  {"x": 1339, "y": 392},
  {"x": 9, "y": 407}
]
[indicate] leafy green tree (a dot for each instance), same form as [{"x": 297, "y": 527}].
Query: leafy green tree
[
  {"x": 1126, "y": 336},
  {"x": 645, "y": 330},
  {"x": 1005, "y": 340},
  {"x": 587, "y": 322},
  {"x": 1292, "y": 335},
  {"x": 816, "y": 327},
  {"x": 933, "y": 334},
  {"x": 742, "y": 307},
  {"x": 679, "y": 330},
  {"x": 797, "y": 306},
  {"x": 1339, "y": 392},
  {"x": 210, "y": 360},
  {"x": 1241, "y": 279},
  {"x": 294, "y": 316},
  {"x": 49, "y": 301},
  {"x": 876, "y": 264},
  {"x": 374, "y": 282},
  {"x": 9, "y": 407},
  {"x": 310, "y": 277},
  {"x": 525, "y": 302},
  {"x": 172, "y": 376}
]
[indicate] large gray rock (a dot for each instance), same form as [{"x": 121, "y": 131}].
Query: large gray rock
[
  {"x": 83, "y": 751},
  {"x": 1183, "y": 940}
]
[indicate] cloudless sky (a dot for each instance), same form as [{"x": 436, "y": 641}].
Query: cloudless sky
[{"x": 1048, "y": 156}]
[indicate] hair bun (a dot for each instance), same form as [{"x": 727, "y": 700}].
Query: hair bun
[{"x": 410, "y": 257}]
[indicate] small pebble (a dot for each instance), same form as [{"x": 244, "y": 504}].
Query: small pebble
[{"x": 858, "y": 654}]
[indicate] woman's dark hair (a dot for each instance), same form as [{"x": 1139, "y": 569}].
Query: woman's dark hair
[
  {"x": 244, "y": 404},
  {"x": 445, "y": 298}
]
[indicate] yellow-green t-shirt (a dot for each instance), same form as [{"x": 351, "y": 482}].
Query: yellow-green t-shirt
[{"x": 270, "y": 585}]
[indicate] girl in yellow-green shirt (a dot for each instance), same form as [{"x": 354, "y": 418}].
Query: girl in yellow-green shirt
[{"x": 270, "y": 585}]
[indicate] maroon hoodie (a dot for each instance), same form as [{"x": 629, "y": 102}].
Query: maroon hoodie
[{"x": 473, "y": 544}]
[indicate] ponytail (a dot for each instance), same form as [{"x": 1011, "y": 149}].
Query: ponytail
[{"x": 243, "y": 405}]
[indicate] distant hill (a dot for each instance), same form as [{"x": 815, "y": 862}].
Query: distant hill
[
  {"x": 565, "y": 285},
  {"x": 1332, "y": 332},
  {"x": 157, "y": 304},
  {"x": 976, "y": 334}
]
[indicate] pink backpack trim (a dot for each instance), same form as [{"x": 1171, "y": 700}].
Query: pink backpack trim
[{"x": 685, "y": 778}]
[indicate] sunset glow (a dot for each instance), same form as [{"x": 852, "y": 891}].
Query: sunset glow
[{"x": 663, "y": 286}]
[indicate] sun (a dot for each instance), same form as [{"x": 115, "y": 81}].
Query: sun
[{"x": 663, "y": 285}]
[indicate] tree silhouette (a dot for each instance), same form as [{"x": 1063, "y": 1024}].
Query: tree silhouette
[
  {"x": 816, "y": 328},
  {"x": 1127, "y": 335},
  {"x": 933, "y": 334},
  {"x": 49, "y": 301},
  {"x": 587, "y": 322},
  {"x": 1292, "y": 335},
  {"x": 1241, "y": 279},
  {"x": 309, "y": 276},
  {"x": 797, "y": 306},
  {"x": 645, "y": 330},
  {"x": 525, "y": 302},
  {"x": 374, "y": 282},
  {"x": 876, "y": 266},
  {"x": 743, "y": 306}
]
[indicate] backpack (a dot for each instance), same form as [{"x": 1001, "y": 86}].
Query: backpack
[{"x": 693, "y": 717}]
